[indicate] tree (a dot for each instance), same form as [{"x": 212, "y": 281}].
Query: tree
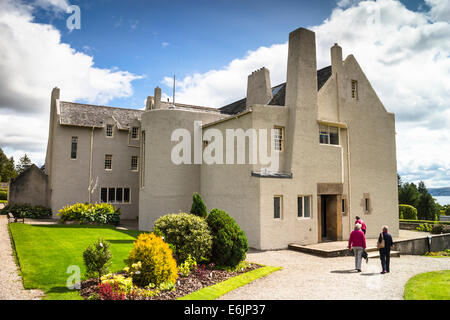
[
  {"x": 24, "y": 164},
  {"x": 408, "y": 194},
  {"x": 7, "y": 170},
  {"x": 198, "y": 206},
  {"x": 427, "y": 209}
]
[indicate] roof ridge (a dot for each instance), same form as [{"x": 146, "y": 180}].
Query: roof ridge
[{"x": 101, "y": 106}]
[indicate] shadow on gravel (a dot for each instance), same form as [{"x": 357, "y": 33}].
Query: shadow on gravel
[{"x": 344, "y": 271}]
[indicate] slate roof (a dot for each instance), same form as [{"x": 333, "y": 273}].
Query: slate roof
[
  {"x": 278, "y": 93},
  {"x": 86, "y": 115}
]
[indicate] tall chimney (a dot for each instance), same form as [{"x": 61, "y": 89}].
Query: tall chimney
[
  {"x": 336, "y": 58},
  {"x": 301, "y": 94},
  {"x": 259, "y": 90},
  {"x": 157, "y": 99},
  {"x": 149, "y": 104}
]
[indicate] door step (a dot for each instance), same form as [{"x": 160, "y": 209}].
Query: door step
[{"x": 376, "y": 254}]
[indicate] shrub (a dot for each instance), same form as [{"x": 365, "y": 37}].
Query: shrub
[
  {"x": 198, "y": 206},
  {"x": 3, "y": 195},
  {"x": 407, "y": 212},
  {"x": 97, "y": 258},
  {"x": 27, "y": 211},
  {"x": 101, "y": 213},
  {"x": 157, "y": 265},
  {"x": 229, "y": 241},
  {"x": 438, "y": 229},
  {"x": 188, "y": 235},
  {"x": 187, "y": 266},
  {"x": 110, "y": 291},
  {"x": 425, "y": 227}
]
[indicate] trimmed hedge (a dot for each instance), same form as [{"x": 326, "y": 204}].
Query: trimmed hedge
[
  {"x": 27, "y": 211},
  {"x": 3, "y": 195},
  {"x": 424, "y": 221},
  {"x": 407, "y": 212},
  {"x": 101, "y": 213},
  {"x": 230, "y": 243},
  {"x": 187, "y": 234}
]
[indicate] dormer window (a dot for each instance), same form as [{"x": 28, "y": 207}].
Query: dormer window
[
  {"x": 354, "y": 89},
  {"x": 135, "y": 133},
  {"x": 109, "y": 130}
]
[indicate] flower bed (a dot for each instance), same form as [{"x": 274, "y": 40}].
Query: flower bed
[{"x": 202, "y": 276}]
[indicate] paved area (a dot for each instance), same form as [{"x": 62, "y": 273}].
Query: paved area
[
  {"x": 308, "y": 277},
  {"x": 337, "y": 245},
  {"x": 11, "y": 287}
]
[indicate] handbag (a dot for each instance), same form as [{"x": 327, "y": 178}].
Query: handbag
[{"x": 380, "y": 245}]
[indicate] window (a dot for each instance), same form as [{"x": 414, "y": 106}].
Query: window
[
  {"x": 279, "y": 139},
  {"x": 109, "y": 130},
  {"x": 277, "y": 207},
  {"x": 143, "y": 160},
  {"x": 366, "y": 204},
  {"x": 304, "y": 207},
  {"x": 135, "y": 133},
  {"x": 328, "y": 135},
  {"x": 134, "y": 163},
  {"x": 115, "y": 195},
  {"x": 74, "y": 147},
  {"x": 343, "y": 206},
  {"x": 108, "y": 162},
  {"x": 354, "y": 89}
]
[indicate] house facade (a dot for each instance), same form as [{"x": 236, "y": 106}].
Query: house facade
[{"x": 333, "y": 139}]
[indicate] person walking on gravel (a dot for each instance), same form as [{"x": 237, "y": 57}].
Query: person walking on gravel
[
  {"x": 357, "y": 242},
  {"x": 385, "y": 243},
  {"x": 360, "y": 221}
]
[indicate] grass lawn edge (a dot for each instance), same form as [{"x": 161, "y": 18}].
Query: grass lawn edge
[
  {"x": 420, "y": 287},
  {"x": 219, "y": 289}
]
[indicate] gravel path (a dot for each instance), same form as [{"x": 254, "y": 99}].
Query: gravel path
[
  {"x": 11, "y": 287},
  {"x": 307, "y": 277}
]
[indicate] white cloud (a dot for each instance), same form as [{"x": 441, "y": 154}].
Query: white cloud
[
  {"x": 165, "y": 44},
  {"x": 405, "y": 55},
  {"x": 57, "y": 5},
  {"x": 33, "y": 60}
]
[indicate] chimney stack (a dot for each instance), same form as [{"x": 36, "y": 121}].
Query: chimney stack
[
  {"x": 259, "y": 90},
  {"x": 157, "y": 99},
  {"x": 150, "y": 103},
  {"x": 301, "y": 94},
  {"x": 336, "y": 58}
]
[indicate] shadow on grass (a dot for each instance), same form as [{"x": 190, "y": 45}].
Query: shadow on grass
[
  {"x": 119, "y": 241},
  {"x": 60, "y": 289}
]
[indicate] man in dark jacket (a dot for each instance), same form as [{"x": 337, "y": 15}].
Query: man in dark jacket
[{"x": 385, "y": 253}]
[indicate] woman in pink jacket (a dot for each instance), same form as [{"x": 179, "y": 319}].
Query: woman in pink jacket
[{"x": 357, "y": 242}]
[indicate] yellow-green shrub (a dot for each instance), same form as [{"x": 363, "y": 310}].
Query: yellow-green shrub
[{"x": 157, "y": 264}]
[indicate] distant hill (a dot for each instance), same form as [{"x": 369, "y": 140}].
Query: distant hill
[{"x": 439, "y": 192}]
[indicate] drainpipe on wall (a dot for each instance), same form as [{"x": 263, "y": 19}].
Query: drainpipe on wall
[
  {"x": 90, "y": 165},
  {"x": 349, "y": 182}
]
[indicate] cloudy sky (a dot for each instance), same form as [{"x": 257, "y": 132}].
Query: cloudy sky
[{"x": 126, "y": 48}]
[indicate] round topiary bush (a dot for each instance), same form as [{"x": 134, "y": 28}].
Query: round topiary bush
[
  {"x": 155, "y": 260},
  {"x": 187, "y": 233},
  {"x": 230, "y": 243},
  {"x": 407, "y": 212}
]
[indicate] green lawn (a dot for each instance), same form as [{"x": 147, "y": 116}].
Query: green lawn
[
  {"x": 429, "y": 286},
  {"x": 46, "y": 251}
]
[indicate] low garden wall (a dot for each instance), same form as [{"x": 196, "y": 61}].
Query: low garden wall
[{"x": 420, "y": 246}]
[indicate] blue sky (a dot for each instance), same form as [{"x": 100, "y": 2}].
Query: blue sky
[
  {"x": 162, "y": 38},
  {"x": 125, "y": 49}
]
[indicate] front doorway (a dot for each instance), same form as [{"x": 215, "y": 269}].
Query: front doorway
[{"x": 330, "y": 218}]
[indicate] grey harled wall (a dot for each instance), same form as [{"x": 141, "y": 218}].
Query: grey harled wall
[
  {"x": 420, "y": 246},
  {"x": 30, "y": 187}
]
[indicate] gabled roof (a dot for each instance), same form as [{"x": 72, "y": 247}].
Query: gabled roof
[
  {"x": 278, "y": 93},
  {"x": 86, "y": 115}
]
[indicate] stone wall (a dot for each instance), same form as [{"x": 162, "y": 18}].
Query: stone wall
[
  {"x": 421, "y": 246},
  {"x": 30, "y": 187}
]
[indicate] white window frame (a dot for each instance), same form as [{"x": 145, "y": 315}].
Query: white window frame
[
  {"x": 281, "y": 207},
  {"x": 303, "y": 196},
  {"x": 71, "y": 148},
  {"x": 136, "y": 167},
  {"x": 115, "y": 195},
  {"x": 110, "y": 162},
  {"x": 327, "y": 134},
  {"x": 278, "y": 143}
]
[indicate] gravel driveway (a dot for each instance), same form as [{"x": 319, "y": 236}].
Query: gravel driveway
[
  {"x": 11, "y": 287},
  {"x": 314, "y": 278}
]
